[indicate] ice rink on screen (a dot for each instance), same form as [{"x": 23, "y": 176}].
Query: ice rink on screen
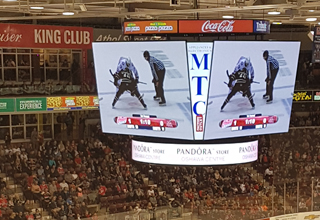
[
  {"x": 225, "y": 57},
  {"x": 176, "y": 86}
]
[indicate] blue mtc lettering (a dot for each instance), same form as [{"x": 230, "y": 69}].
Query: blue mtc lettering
[
  {"x": 201, "y": 65},
  {"x": 204, "y": 58},
  {"x": 199, "y": 83},
  {"x": 195, "y": 107}
]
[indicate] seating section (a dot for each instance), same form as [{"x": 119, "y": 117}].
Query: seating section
[{"x": 68, "y": 180}]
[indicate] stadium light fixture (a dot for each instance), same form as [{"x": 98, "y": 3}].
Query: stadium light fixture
[
  {"x": 36, "y": 7},
  {"x": 274, "y": 12},
  {"x": 68, "y": 13},
  {"x": 227, "y": 16},
  {"x": 311, "y": 19}
]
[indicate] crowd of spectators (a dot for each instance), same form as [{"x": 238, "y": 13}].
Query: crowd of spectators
[
  {"x": 305, "y": 114},
  {"x": 291, "y": 158},
  {"x": 67, "y": 178},
  {"x": 64, "y": 178}
]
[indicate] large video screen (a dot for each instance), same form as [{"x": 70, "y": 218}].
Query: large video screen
[
  {"x": 143, "y": 88},
  {"x": 251, "y": 88}
]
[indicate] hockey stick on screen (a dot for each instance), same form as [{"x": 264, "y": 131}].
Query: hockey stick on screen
[
  {"x": 227, "y": 71},
  {"x": 111, "y": 72},
  {"x": 113, "y": 76}
]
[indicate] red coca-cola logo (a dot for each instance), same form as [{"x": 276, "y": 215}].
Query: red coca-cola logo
[{"x": 223, "y": 26}]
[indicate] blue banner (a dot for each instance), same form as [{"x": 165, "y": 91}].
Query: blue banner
[{"x": 261, "y": 26}]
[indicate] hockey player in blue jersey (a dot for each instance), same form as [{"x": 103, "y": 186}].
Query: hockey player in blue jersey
[
  {"x": 240, "y": 81},
  {"x": 126, "y": 79},
  {"x": 244, "y": 63}
]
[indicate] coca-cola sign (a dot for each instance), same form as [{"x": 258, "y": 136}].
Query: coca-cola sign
[
  {"x": 215, "y": 26},
  {"x": 223, "y": 26},
  {"x": 45, "y": 36}
]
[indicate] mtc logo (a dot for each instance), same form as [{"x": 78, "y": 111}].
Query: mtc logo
[{"x": 202, "y": 67}]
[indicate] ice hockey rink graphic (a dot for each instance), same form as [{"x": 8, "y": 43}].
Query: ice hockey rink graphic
[
  {"x": 171, "y": 121},
  {"x": 238, "y": 118}
]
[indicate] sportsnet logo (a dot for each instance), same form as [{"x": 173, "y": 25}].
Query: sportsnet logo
[{"x": 199, "y": 123}]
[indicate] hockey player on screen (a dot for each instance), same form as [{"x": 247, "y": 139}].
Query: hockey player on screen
[
  {"x": 239, "y": 82},
  {"x": 245, "y": 63},
  {"x": 124, "y": 80}
]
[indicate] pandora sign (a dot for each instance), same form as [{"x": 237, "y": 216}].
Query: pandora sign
[{"x": 194, "y": 154}]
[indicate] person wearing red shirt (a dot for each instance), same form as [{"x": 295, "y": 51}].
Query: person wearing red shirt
[
  {"x": 29, "y": 216},
  {"x": 118, "y": 188},
  {"x": 243, "y": 211},
  {"x": 43, "y": 186},
  {"x": 190, "y": 194},
  {"x": 30, "y": 180},
  {"x": 3, "y": 202},
  {"x": 102, "y": 190},
  {"x": 82, "y": 175},
  {"x": 107, "y": 150},
  {"x": 78, "y": 160},
  {"x": 122, "y": 163},
  {"x": 124, "y": 187},
  {"x": 60, "y": 170}
]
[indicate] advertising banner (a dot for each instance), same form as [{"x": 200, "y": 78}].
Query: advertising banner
[
  {"x": 199, "y": 58},
  {"x": 150, "y": 27},
  {"x": 109, "y": 35},
  {"x": 31, "y": 104},
  {"x": 302, "y": 96},
  {"x": 87, "y": 102},
  {"x": 61, "y": 103},
  {"x": 72, "y": 103},
  {"x": 316, "y": 45},
  {"x": 261, "y": 26},
  {"x": 298, "y": 216},
  {"x": 194, "y": 154},
  {"x": 316, "y": 96},
  {"x": 45, "y": 36},
  {"x": 7, "y": 105},
  {"x": 215, "y": 26}
]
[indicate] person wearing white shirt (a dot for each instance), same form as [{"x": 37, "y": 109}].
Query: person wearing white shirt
[
  {"x": 268, "y": 172},
  {"x": 63, "y": 185},
  {"x": 151, "y": 191}
]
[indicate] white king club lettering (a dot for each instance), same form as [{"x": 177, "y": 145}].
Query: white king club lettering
[
  {"x": 44, "y": 36},
  {"x": 223, "y": 26}
]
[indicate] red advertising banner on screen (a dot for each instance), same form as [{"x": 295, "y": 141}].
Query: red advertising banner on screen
[
  {"x": 45, "y": 36},
  {"x": 150, "y": 27},
  {"x": 215, "y": 26}
]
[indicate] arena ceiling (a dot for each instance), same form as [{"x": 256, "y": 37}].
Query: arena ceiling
[{"x": 284, "y": 11}]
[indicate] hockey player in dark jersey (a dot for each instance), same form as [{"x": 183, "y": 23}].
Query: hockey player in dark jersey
[
  {"x": 127, "y": 83},
  {"x": 239, "y": 82}
]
